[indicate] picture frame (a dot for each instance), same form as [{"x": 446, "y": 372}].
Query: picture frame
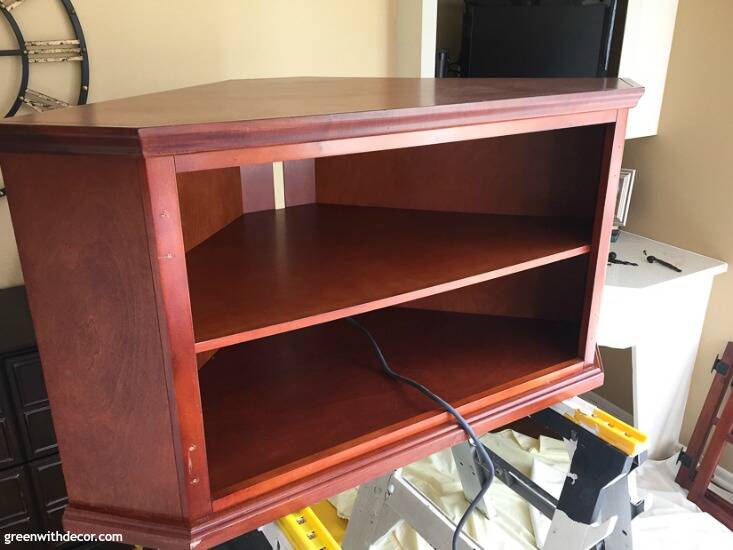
[{"x": 623, "y": 197}]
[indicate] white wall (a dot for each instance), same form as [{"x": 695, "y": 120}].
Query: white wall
[{"x": 644, "y": 58}]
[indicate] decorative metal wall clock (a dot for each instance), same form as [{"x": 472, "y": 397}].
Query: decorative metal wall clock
[{"x": 38, "y": 52}]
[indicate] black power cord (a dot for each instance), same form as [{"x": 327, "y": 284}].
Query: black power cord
[{"x": 483, "y": 456}]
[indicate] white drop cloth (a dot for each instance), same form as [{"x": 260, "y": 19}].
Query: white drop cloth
[{"x": 671, "y": 522}]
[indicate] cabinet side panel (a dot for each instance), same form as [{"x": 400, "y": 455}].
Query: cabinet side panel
[
  {"x": 84, "y": 251},
  {"x": 209, "y": 200},
  {"x": 613, "y": 152}
]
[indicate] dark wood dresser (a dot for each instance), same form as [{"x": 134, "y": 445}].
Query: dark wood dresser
[{"x": 32, "y": 490}]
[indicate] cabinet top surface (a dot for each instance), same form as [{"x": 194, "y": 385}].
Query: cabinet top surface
[
  {"x": 291, "y": 105},
  {"x": 264, "y": 99}
]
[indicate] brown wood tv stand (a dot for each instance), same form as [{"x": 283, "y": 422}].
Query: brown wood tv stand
[{"x": 188, "y": 294}]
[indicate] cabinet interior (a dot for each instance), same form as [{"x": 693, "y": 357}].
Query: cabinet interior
[{"x": 467, "y": 261}]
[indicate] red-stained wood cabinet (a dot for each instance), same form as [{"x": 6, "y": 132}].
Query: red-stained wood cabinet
[{"x": 190, "y": 257}]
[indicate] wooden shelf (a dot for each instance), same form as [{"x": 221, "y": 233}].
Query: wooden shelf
[
  {"x": 277, "y": 407},
  {"x": 274, "y": 271}
]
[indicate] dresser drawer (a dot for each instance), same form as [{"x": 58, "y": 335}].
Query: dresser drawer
[
  {"x": 10, "y": 453},
  {"x": 17, "y": 509},
  {"x": 47, "y": 478},
  {"x": 24, "y": 526},
  {"x": 28, "y": 393}
]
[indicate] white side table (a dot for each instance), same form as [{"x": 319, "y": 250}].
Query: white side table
[{"x": 659, "y": 314}]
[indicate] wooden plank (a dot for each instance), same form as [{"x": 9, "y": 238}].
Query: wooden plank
[
  {"x": 91, "y": 288},
  {"x": 309, "y": 264}
]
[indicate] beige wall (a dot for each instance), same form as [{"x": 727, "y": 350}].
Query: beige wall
[
  {"x": 414, "y": 44},
  {"x": 684, "y": 187},
  {"x": 140, "y": 46}
]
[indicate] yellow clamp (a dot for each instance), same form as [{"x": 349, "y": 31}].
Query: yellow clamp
[
  {"x": 612, "y": 430},
  {"x": 306, "y": 532}
]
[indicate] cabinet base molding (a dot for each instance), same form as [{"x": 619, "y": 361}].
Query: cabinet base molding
[
  {"x": 226, "y": 523},
  {"x": 150, "y": 533}
]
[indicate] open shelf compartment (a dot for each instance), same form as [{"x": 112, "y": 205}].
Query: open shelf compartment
[
  {"x": 367, "y": 231},
  {"x": 281, "y": 270},
  {"x": 468, "y": 264},
  {"x": 282, "y": 407}
]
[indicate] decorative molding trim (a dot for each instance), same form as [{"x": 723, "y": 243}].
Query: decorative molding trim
[
  {"x": 232, "y": 516},
  {"x": 188, "y": 139}
]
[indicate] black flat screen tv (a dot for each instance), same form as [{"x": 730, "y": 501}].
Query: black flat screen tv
[{"x": 540, "y": 38}]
